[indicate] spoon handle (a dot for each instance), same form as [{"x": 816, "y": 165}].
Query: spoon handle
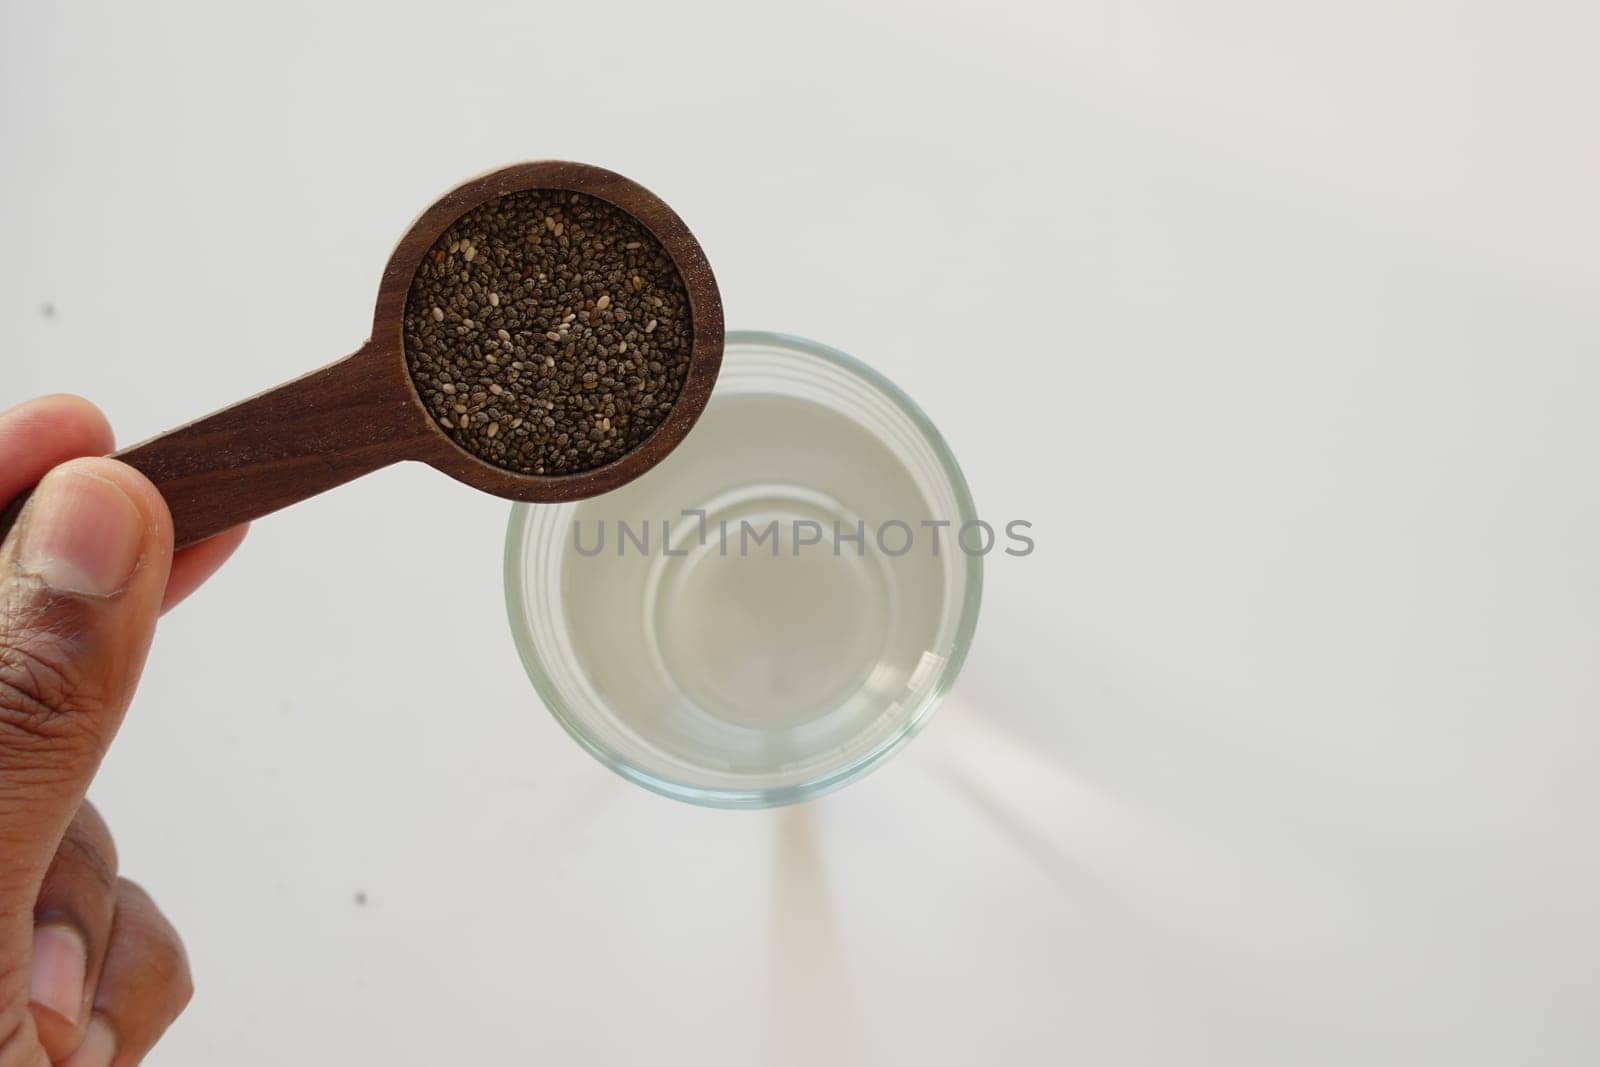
[{"x": 280, "y": 447}]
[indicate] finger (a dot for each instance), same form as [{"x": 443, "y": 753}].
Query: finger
[
  {"x": 144, "y": 985},
  {"x": 192, "y": 566},
  {"x": 81, "y": 581},
  {"x": 38, "y": 435},
  {"x": 72, "y": 928}
]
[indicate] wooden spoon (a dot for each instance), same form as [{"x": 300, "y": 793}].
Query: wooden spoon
[{"x": 363, "y": 412}]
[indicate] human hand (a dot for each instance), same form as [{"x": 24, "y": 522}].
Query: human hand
[{"x": 91, "y": 973}]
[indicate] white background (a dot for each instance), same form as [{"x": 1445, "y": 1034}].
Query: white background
[{"x": 1277, "y": 320}]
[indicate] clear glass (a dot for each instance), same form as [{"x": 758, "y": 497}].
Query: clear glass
[{"x": 736, "y": 645}]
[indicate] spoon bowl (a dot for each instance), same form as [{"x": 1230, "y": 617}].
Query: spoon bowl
[{"x": 705, "y": 304}]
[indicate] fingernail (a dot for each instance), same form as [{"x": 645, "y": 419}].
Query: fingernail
[
  {"x": 56, "y": 981},
  {"x": 81, "y": 534},
  {"x": 99, "y": 1046}
]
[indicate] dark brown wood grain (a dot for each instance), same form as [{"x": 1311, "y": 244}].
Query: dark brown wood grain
[
  {"x": 363, "y": 413},
  {"x": 285, "y": 445}
]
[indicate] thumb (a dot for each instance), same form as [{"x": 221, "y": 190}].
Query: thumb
[{"x": 81, "y": 581}]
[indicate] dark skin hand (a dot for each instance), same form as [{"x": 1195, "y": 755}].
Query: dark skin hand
[{"x": 91, "y": 972}]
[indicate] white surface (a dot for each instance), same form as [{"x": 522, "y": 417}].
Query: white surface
[{"x": 1277, "y": 320}]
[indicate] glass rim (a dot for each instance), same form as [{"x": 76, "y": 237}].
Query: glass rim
[{"x": 763, "y": 797}]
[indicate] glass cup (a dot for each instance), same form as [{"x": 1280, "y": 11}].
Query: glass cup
[{"x": 774, "y": 609}]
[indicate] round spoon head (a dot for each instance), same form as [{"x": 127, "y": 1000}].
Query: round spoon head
[{"x": 428, "y": 441}]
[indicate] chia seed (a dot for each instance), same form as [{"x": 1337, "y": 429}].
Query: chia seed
[{"x": 548, "y": 332}]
